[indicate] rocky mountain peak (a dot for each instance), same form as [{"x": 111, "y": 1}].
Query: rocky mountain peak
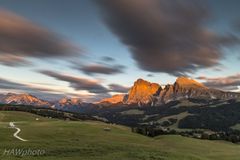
[
  {"x": 23, "y": 99},
  {"x": 147, "y": 93},
  {"x": 142, "y": 91},
  {"x": 140, "y": 81},
  {"x": 114, "y": 99},
  {"x": 142, "y": 86},
  {"x": 70, "y": 101},
  {"x": 188, "y": 82}
]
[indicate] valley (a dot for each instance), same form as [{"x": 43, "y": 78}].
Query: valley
[
  {"x": 119, "y": 80},
  {"x": 182, "y": 121},
  {"x": 88, "y": 140},
  {"x": 187, "y": 105}
]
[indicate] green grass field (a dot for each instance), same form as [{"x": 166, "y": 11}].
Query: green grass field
[
  {"x": 87, "y": 140},
  {"x": 237, "y": 126}
]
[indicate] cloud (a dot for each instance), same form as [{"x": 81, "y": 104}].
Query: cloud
[
  {"x": 118, "y": 88},
  {"x": 150, "y": 75},
  {"x": 13, "y": 60},
  {"x": 225, "y": 83},
  {"x": 21, "y": 39},
  {"x": 78, "y": 83},
  {"x": 166, "y": 36},
  {"x": 44, "y": 93},
  {"x": 108, "y": 59},
  {"x": 5, "y": 84},
  {"x": 89, "y": 85},
  {"x": 101, "y": 69}
]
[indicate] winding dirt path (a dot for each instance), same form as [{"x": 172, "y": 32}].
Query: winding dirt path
[{"x": 12, "y": 125}]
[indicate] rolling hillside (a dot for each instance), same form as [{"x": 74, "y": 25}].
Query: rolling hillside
[{"x": 88, "y": 140}]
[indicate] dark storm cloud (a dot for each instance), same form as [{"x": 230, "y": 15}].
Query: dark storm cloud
[
  {"x": 166, "y": 35},
  {"x": 225, "y": 83},
  {"x": 77, "y": 83},
  {"x": 118, "y": 88},
  {"x": 20, "y": 38},
  {"x": 101, "y": 69}
]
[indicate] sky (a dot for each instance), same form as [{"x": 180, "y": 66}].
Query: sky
[{"x": 93, "y": 49}]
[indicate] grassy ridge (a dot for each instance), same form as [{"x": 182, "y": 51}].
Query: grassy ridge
[{"x": 88, "y": 140}]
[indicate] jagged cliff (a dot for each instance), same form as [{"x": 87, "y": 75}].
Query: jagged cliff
[
  {"x": 143, "y": 92},
  {"x": 152, "y": 94}
]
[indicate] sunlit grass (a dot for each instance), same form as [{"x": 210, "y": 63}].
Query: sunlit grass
[{"x": 88, "y": 140}]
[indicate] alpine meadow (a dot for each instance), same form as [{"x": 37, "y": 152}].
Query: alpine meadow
[{"x": 119, "y": 80}]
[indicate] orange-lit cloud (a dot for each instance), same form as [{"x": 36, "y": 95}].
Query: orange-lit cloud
[{"x": 13, "y": 60}]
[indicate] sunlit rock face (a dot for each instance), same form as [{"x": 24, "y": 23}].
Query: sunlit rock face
[
  {"x": 198, "y": 90},
  {"x": 143, "y": 92},
  {"x": 118, "y": 98},
  {"x": 185, "y": 88},
  {"x": 188, "y": 83},
  {"x": 188, "y": 88},
  {"x": 22, "y": 99}
]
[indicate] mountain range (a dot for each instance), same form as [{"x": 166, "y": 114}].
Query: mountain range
[
  {"x": 22, "y": 99},
  {"x": 182, "y": 105},
  {"x": 142, "y": 93},
  {"x": 72, "y": 105}
]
